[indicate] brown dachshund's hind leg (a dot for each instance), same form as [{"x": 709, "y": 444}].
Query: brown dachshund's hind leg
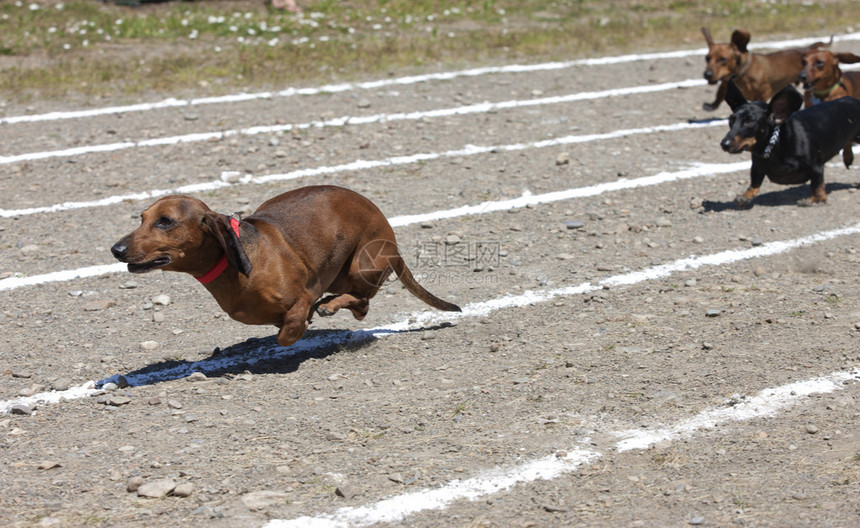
[
  {"x": 357, "y": 305},
  {"x": 368, "y": 271},
  {"x": 819, "y": 197},
  {"x": 848, "y": 156}
]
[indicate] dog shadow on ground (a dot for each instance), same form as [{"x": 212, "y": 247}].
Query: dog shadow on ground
[
  {"x": 260, "y": 356},
  {"x": 787, "y": 196},
  {"x": 705, "y": 120}
]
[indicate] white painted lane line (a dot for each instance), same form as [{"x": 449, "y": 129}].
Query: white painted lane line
[
  {"x": 766, "y": 403},
  {"x": 479, "y": 108},
  {"x": 51, "y": 397},
  {"x": 358, "y": 165},
  {"x": 399, "y": 507},
  {"x": 13, "y": 283},
  {"x": 270, "y": 351},
  {"x": 569, "y": 194},
  {"x": 400, "y": 81}
]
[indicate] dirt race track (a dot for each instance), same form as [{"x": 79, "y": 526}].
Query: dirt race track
[{"x": 633, "y": 350}]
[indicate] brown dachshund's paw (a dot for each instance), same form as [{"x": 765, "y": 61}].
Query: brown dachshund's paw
[
  {"x": 708, "y": 107},
  {"x": 810, "y": 202},
  {"x": 324, "y": 311},
  {"x": 743, "y": 202}
]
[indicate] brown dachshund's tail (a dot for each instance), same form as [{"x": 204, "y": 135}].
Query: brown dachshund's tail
[{"x": 417, "y": 290}]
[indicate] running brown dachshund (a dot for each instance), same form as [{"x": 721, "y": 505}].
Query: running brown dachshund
[
  {"x": 758, "y": 75},
  {"x": 823, "y": 80},
  {"x": 274, "y": 266}
]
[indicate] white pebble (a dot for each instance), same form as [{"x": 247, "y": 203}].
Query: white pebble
[{"x": 162, "y": 300}]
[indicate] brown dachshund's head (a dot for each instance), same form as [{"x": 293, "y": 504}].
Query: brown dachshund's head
[
  {"x": 724, "y": 60},
  {"x": 180, "y": 233},
  {"x": 821, "y": 68}
]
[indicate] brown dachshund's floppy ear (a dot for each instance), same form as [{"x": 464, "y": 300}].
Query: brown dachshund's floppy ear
[
  {"x": 846, "y": 57},
  {"x": 218, "y": 226},
  {"x": 784, "y": 103},
  {"x": 734, "y": 97},
  {"x": 740, "y": 39}
]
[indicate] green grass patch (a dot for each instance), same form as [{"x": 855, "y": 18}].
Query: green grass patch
[{"x": 49, "y": 48}]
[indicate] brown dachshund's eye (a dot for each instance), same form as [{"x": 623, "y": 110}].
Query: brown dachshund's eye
[
  {"x": 707, "y": 58},
  {"x": 819, "y": 64},
  {"x": 722, "y": 61},
  {"x": 164, "y": 222}
]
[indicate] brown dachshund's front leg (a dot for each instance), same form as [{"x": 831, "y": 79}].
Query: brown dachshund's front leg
[
  {"x": 295, "y": 323},
  {"x": 721, "y": 96}
]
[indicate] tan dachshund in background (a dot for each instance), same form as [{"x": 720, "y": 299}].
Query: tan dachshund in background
[
  {"x": 823, "y": 80},
  {"x": 759, "y": 76},
  {"x": 274, "y": 266}
]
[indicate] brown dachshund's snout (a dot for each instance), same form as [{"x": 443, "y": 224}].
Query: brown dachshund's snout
[
  {"x": 805, "y": 80},
  {"x": 120, "y": 250},
  {"x": 137, "y": 262},
  {"x": 709, "y": 76}
]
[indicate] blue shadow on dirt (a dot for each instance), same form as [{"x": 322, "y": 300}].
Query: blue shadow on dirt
[
  {"x": 786, "y": 196},
  {"x": 706, "y": 120},
  {"x": 259, "y": 356}
]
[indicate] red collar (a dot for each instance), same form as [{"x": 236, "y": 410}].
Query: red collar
[{"x": 221, "y": 265}]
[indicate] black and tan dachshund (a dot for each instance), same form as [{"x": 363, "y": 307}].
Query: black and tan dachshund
[{"x": 789, "y": 146}]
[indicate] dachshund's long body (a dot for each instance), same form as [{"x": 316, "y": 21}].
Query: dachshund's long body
[{"x": 274, "y": 266}]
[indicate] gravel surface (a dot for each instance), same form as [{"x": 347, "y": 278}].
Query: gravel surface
[{"x": 348, "y": 418}]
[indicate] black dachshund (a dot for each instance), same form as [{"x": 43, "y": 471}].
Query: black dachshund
[{"x": 787, "y": 146}]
